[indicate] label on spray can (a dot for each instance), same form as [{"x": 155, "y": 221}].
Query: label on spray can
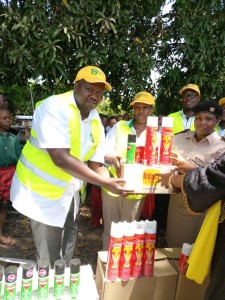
[
  {"x": 43, "y": 274},
  {"x": 26, "y": 285},
  {"x": 125, "y": 258},
  {"x": 115, "y": 244},
  {"x": 10, "y": 283},
  {"x": 151, "y": 150},
  {"x": 59, "y": 269},
  {"x": 137, "y": 254},
  {"x": 148, "y": 255},
  {"x": 184, "y": 256},
  {"x": 166, "y": 140},
  {"x": 1, "y": 277},
  {"x": 131, "y": 148},
  {"x": 74, "y": 277}
]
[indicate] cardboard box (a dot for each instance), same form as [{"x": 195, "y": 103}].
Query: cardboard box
[
  {"x": 159, "y": 287},
  {"x": 186, "y": 288},
  {"x": 142, "y": 179}
]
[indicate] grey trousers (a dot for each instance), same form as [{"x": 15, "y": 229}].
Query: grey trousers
[
  {"x": 118, "y": 209},
  {"x": 53, "y": 243}
]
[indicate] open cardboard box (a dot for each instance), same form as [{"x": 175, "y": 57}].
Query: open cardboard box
[
  {"x": 161, "y": 286},
  {"x": 186, "y": 288},
  {"x": 143, "y": 179}
]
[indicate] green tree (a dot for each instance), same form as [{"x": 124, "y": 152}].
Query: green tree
[
  {"x": 191, "y": 50},
  {"x": 53, "y": 39}
]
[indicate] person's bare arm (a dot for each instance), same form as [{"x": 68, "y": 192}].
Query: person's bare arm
[{"x": 73, "y": 166}]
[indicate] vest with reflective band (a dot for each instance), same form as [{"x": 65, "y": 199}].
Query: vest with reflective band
[
  {"x": 178, "y": 124},
  {"x": 35, "y": 168},
  {"x": 122, "y": 132}
]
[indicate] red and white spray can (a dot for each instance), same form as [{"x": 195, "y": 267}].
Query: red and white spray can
[
  {"x": 126, "y": 251},
  {"x": 166, "y": 140},
  {"x": 115, "y": 244},
  {"x": 184, "y": 256},
  {"x": 150, "y": 152},
  {"x": 137, "y": 254},
  {"x": 149, "y": 248}
]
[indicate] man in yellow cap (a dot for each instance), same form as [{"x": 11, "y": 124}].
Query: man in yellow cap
[
  {"x": 221, "y": 125},
  {"x": 184, "y": 118},
  {"x": 66, "y": 133},
  {"x": 116, "y": 207}
]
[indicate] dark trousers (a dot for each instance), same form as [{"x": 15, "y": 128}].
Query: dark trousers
[{"x": 53, "y": 243}]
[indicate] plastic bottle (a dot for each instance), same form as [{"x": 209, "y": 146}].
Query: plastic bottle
[
  {"x": 10, "y": 283},
  {"x": 150, "y": 152},
  {"x": 115, "y": 244},
  {"x": 27, "y": 280},
  {"x": 43, "y": 280},
  {"x": 149, "y": 248},
  {"x": 59, "y": 271},
  {"x": 1, "y": 277},
  {"x": 126, "y": 251},
  {"x": 183, "y": 261},
  {"x": 166, "y": 140},
  {"x": 74, "y": 277},
  {"x": 137, "y": 254}
]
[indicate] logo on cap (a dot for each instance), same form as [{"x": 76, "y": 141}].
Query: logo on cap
[{"x": 96, "y": 72}]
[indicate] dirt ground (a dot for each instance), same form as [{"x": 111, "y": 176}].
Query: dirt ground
[{"x": 88, "y": 244}]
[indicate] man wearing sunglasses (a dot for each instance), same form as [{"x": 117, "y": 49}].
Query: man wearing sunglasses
[{"x": 184, "y": 118}]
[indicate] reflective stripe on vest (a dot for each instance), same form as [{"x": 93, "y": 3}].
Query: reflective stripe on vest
[
  {"x": 178, "y": 123},
  {"x": 122, "y": 132},
  {"x": 41, "y": 175}
]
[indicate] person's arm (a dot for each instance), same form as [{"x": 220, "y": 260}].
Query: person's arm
[
  {"x": 205, "y": 185},
  {"x": 73, "y": 166}
]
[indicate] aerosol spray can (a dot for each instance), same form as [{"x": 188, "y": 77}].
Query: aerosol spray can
[
  {"x": 151, "y": 149},
  {"x": 137, "y": 254},
  {"x": 131, "y": 148},
  {"x": 184, "y": 256},
  {"x": 115, "y": 244},
  {"x": 1, "y": 277},
  {"x": 149, "y": 248},
  {"x": 43, "y": 279},
  {"x": 126, "y": 251},
  {"x": 166, "y": 140},
  {"x": 10, "y": 283},
  {"x": 59, "y": 271},
  {"x": 74, "y": 277},
  {"x": 27, "y": 278}
]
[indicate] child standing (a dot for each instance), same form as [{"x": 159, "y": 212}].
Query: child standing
[{"x": 10, "y": 150}]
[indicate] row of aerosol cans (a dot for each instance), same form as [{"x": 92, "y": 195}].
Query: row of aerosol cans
[
  {"x": 157, "y": 148},
  {"x": 26, "y": 292},
  {"x": 131, "y": 250}
]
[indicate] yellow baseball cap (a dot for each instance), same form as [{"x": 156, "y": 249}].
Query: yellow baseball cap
[
  {"x": 190, "y": 86},
  {"x": 93, "y": 74},
  {"x": 221, "y": 101},
  {"x": 143, "y": 97}
]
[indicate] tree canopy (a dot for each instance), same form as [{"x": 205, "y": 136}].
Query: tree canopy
[{"x": 51, "y": 40}]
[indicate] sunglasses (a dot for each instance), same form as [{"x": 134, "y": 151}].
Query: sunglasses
[{"x": 186, "y": 96}]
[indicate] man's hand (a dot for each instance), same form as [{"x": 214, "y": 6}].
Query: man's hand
[{"x": 114, "y": 185}]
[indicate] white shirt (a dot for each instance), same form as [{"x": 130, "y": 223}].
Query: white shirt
[
  {"x": 51, "y": 124},
  {"x": 186, "y": 121}
]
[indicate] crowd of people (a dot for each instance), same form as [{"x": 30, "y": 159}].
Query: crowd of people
[{"x": 70, "y": 143}]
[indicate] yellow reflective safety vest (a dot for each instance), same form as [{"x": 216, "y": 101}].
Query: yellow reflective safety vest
[
  {"x": 123, "y": 129},
  {"x": 177, "y": 122},
  {"x": 35, "y": 168}
]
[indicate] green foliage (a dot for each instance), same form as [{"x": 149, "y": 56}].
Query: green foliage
[
  {"x": 53, "y": 39},
  {"x": 192, "y": 51}
]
